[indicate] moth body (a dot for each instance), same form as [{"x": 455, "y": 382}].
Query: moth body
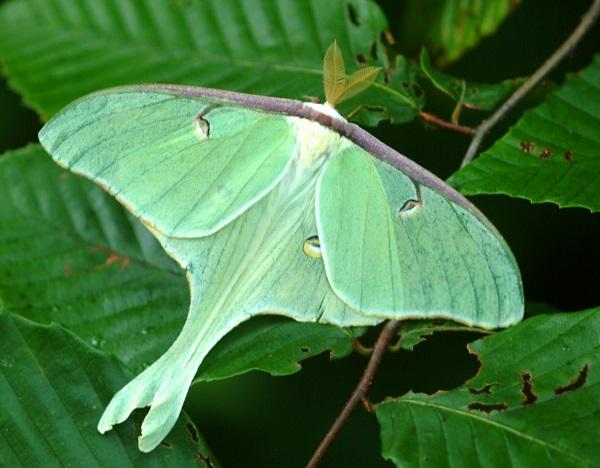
[{"x": 316, "y": 142}]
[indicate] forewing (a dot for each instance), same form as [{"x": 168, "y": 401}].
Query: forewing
[
  {"x": 186, "y": 166},
  {"x": 397, "y": 249}
]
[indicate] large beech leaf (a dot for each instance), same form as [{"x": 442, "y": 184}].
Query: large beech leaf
[
  {"x": 449, "y": 27},
  {"x": 57, "y": 50},
  {"x": 70, "y": 254},
  {"x": 535, "y": 402},
  {"x": 552, "y": 154},
  {"x": 54, "y": 388}
]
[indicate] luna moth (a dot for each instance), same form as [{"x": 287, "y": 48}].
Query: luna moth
[{"x": 276, "y": 206}]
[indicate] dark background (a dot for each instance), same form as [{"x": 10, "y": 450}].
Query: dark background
[{"x": 258, "y": 420}]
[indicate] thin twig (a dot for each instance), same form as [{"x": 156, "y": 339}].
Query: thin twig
[
  {"x": 387, "y": 333},
  {"x": 459, "y": 105},
  {"x": 587, "y": 21},
  {"x": 439, "y": 122}
]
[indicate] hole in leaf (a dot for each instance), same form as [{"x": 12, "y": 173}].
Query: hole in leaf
[
  {"x": 361, "y": 59},
  {"x": 576, "y": 383},
  {"x": 485, "y": 390},
  {"x": 353, "y": 15},
  {"x": 527, "y": 389},
  {"x": 373, "y": 51},
  {"x": 192, "y": 432},
  {"x": 487, "y": 407},
  {"x": 527, "y": 146}
]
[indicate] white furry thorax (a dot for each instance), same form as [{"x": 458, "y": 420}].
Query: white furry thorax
[{"x": 314, "y": 140}]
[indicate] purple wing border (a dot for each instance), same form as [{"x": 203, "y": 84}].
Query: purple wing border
[{"x": 349, "y": 130}]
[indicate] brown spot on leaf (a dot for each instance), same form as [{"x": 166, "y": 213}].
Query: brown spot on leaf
[
  {"x": 206, "y": 460},
  {"x": 191, "y": 429},
  {"x": 527, "y": 146},
  {"x": 113, "y": 257},
  {"x": 63, "y": 175},
  {"x": 487, "y": 407},
  {"x": 527, "y": 389},
  {"x": 68, "y": 269},
  {"x": 576, "y": 383},
  {"x": 486, "y": 389},
  {"x": 474, "y": 90},
  {"x": 568, "y": 156},
  {"x": 545, "y": 153},
  {"x": 305, "y": 349},
  {"x": 166, "y": 444}
]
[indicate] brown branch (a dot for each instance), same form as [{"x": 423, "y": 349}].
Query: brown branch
[
  {"x": 587, "y": 21},
  {"x": 441, "y": 123},
  {"x": 360, "y": 392}
]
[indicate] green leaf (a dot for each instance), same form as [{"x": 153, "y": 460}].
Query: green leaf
[
  {"x": 402, "y": 78},
  {"x": 55, "y": 51},
  {"x": 54, "y": 388},
  {"x": 414, "y": 332},
  {"x": 537, "y": 393},
  {"x": 275, "y": 345},
  {"x": 449, "y": 27},
  {"x": 478, "y": 96},
  {"x": 552, "y": 154},
  {"x": 70, "y": 254}
]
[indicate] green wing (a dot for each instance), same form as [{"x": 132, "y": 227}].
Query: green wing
[
  {"x": 185, "y": 166},
  {"x": 189, "y": 165},
  {"x": 395, "y": 249}
]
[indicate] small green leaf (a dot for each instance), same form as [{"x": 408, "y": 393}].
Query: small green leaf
[
  {"x": 359, "y": 81},
  {"x": 54, "y": 388},
  {"x": 275, "y": 345},
  {"x": 334, "y": 74},
  {"x": 58, "y": 50},
  {"x": 409, "y": 98},
  {"x": 478, "y": 96},
  {"x": 337, "y": 86},
  {"x": 551, "y": 155},
  {"x": 449, "y": 27},
  {"x": 537, "y": 392}
]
